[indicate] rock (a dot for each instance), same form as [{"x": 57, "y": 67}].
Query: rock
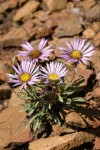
[
  {"x": 43, "y": 32},
  {"x": 17, "y": 35},
  {"x": 15, "y": 100},
  {"x": 57, "y": 42},
  {"x": 89, "y": 96},
  {"x": 93, "y": 13},
  {"x": 88, "y": 33},
  {"x": 28, "y": 26},
  {"x": 68, "y": 27},
  {"x": 53, "y": 5},
  {"x": 87, "y": 4},
  {"x": 95, "y": 58},
  {"x": 98, "y": 77},
  {"x": 20, "y": 2},
  {"x": 26, "y": 10},
  {"x": 96, "y": 27},
  {"x": 5, "y": 92},
  {"x": 82, "y": 71},
  {"x": 76, "y": 11},
  {"x": 96, "y": 39},
  {"x": 41, "y": 15},
  {"x": 96, "y": 92},
  {"x": 37, "y": 23},
  {"x": 95, "y": 103},
  {"x": 96, "y": 122},
  {"x": 69, "y": 6},
  {"x": 66, "y": 142},
  {"x": 83, "y": 116},
  {"x": 46, "y": 28},
  {"x": 3, "y": 74},
  {"x": 12, "y": 3},
  {"x": 9, "y": 4},
  {"x": 86, "y": 73},
  {"x": 58, "y": 130},
  {"x": 12, "y": 128},
  {"x": 1, "y": 17},
  {"x": 4, "y": 6},
  {"x": 76, "y": 120},
  {"x": 97, "y": 144}
]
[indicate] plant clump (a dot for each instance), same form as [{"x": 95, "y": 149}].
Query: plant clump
[{"x": 43, "y": 87}]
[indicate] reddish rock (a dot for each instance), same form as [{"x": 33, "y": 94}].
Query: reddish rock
[
  {"x": 12, "y": 3},
  {"x": 97, "y": 144},
  {"x": 96, "y": 27},
  {"x": 4, "y": 6},
  {"x": 3, "y": 75},
  {"x": 1, "y": 17},
  {"x": 89, "y": 33},
  {"x": 93, "y": 13},
  {"x": 55, "y": 4},
  {"x": 96, "y": 123},
  {"x": 96, "y": 39},
  {"x": 12, "y": 128},
  {"x": 66, "y": 142},
  {"x": 74, "y": 119},
  {"x": 46, "y": 28},
  {"x": 43, "y": 32},
  {"x": 82, "y": 72},
  {"x": 20, "y": 2},
  {"x": 98, "y": 77},
  {"x": 41, "y": 15},
  {"x": 95, "y": 58},
  {"x": 87, "y": 4},
  {"x": 17, "y": 35},
  {"x": 96, "y": 92},
  {"x": 15, "y": 100},
  {"x": 15, "y": 3},
  {"x": 68, "y": 27},
  {"x": 28, "y": 26},
  {"x": 26, "y": 10},
  {"x": 69, "y": 6},
  {"x": 82, "y": 116},
  {"x": 58, "y": 130}
]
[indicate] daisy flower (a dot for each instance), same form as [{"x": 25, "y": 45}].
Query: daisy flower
[
  {"x": 78, "y": 51},
  {"x": 42, "y": 52},
  {"x": 54, "y": 71},
  {"x": 26, "y": 73}
]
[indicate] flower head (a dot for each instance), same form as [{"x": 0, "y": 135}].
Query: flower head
[
  {"x": 42, "y": 52},
  {"x": 54, "y": 71},
  {"x": 26, "y": 73},
  {"x": 78, "y": 51}
]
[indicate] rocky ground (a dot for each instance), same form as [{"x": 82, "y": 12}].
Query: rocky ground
[{"x": 58, "y": 21}]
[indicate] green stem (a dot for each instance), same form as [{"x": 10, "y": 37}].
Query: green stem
[{"x": 28, "y": 93}]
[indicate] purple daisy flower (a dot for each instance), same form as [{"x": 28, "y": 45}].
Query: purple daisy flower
[
  {"x": 26, "y": 73},
  {"x": 42, "y": 52},
  {"x": 78, "y": 51},
  {"x": 54, "y": 71}
]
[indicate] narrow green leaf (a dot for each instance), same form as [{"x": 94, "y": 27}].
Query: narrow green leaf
[
  {"x": 60, "y": 98},
  {"x": 33, "y": 118},
  {"x": 78, "y": 99},
  {"x": 36, "y": 125},
  {"x": 68, "y": 92},
  {"x": 66, "y": 86},
  {"x": 49, "y": 106}
]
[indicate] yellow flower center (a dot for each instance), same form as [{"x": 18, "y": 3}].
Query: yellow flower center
[
  {"x": 25, "y": 77},
  {"x": 35, "y": 53},
  {"x": 53, "y": 76},
  {"x": 76, "y": 54}
]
